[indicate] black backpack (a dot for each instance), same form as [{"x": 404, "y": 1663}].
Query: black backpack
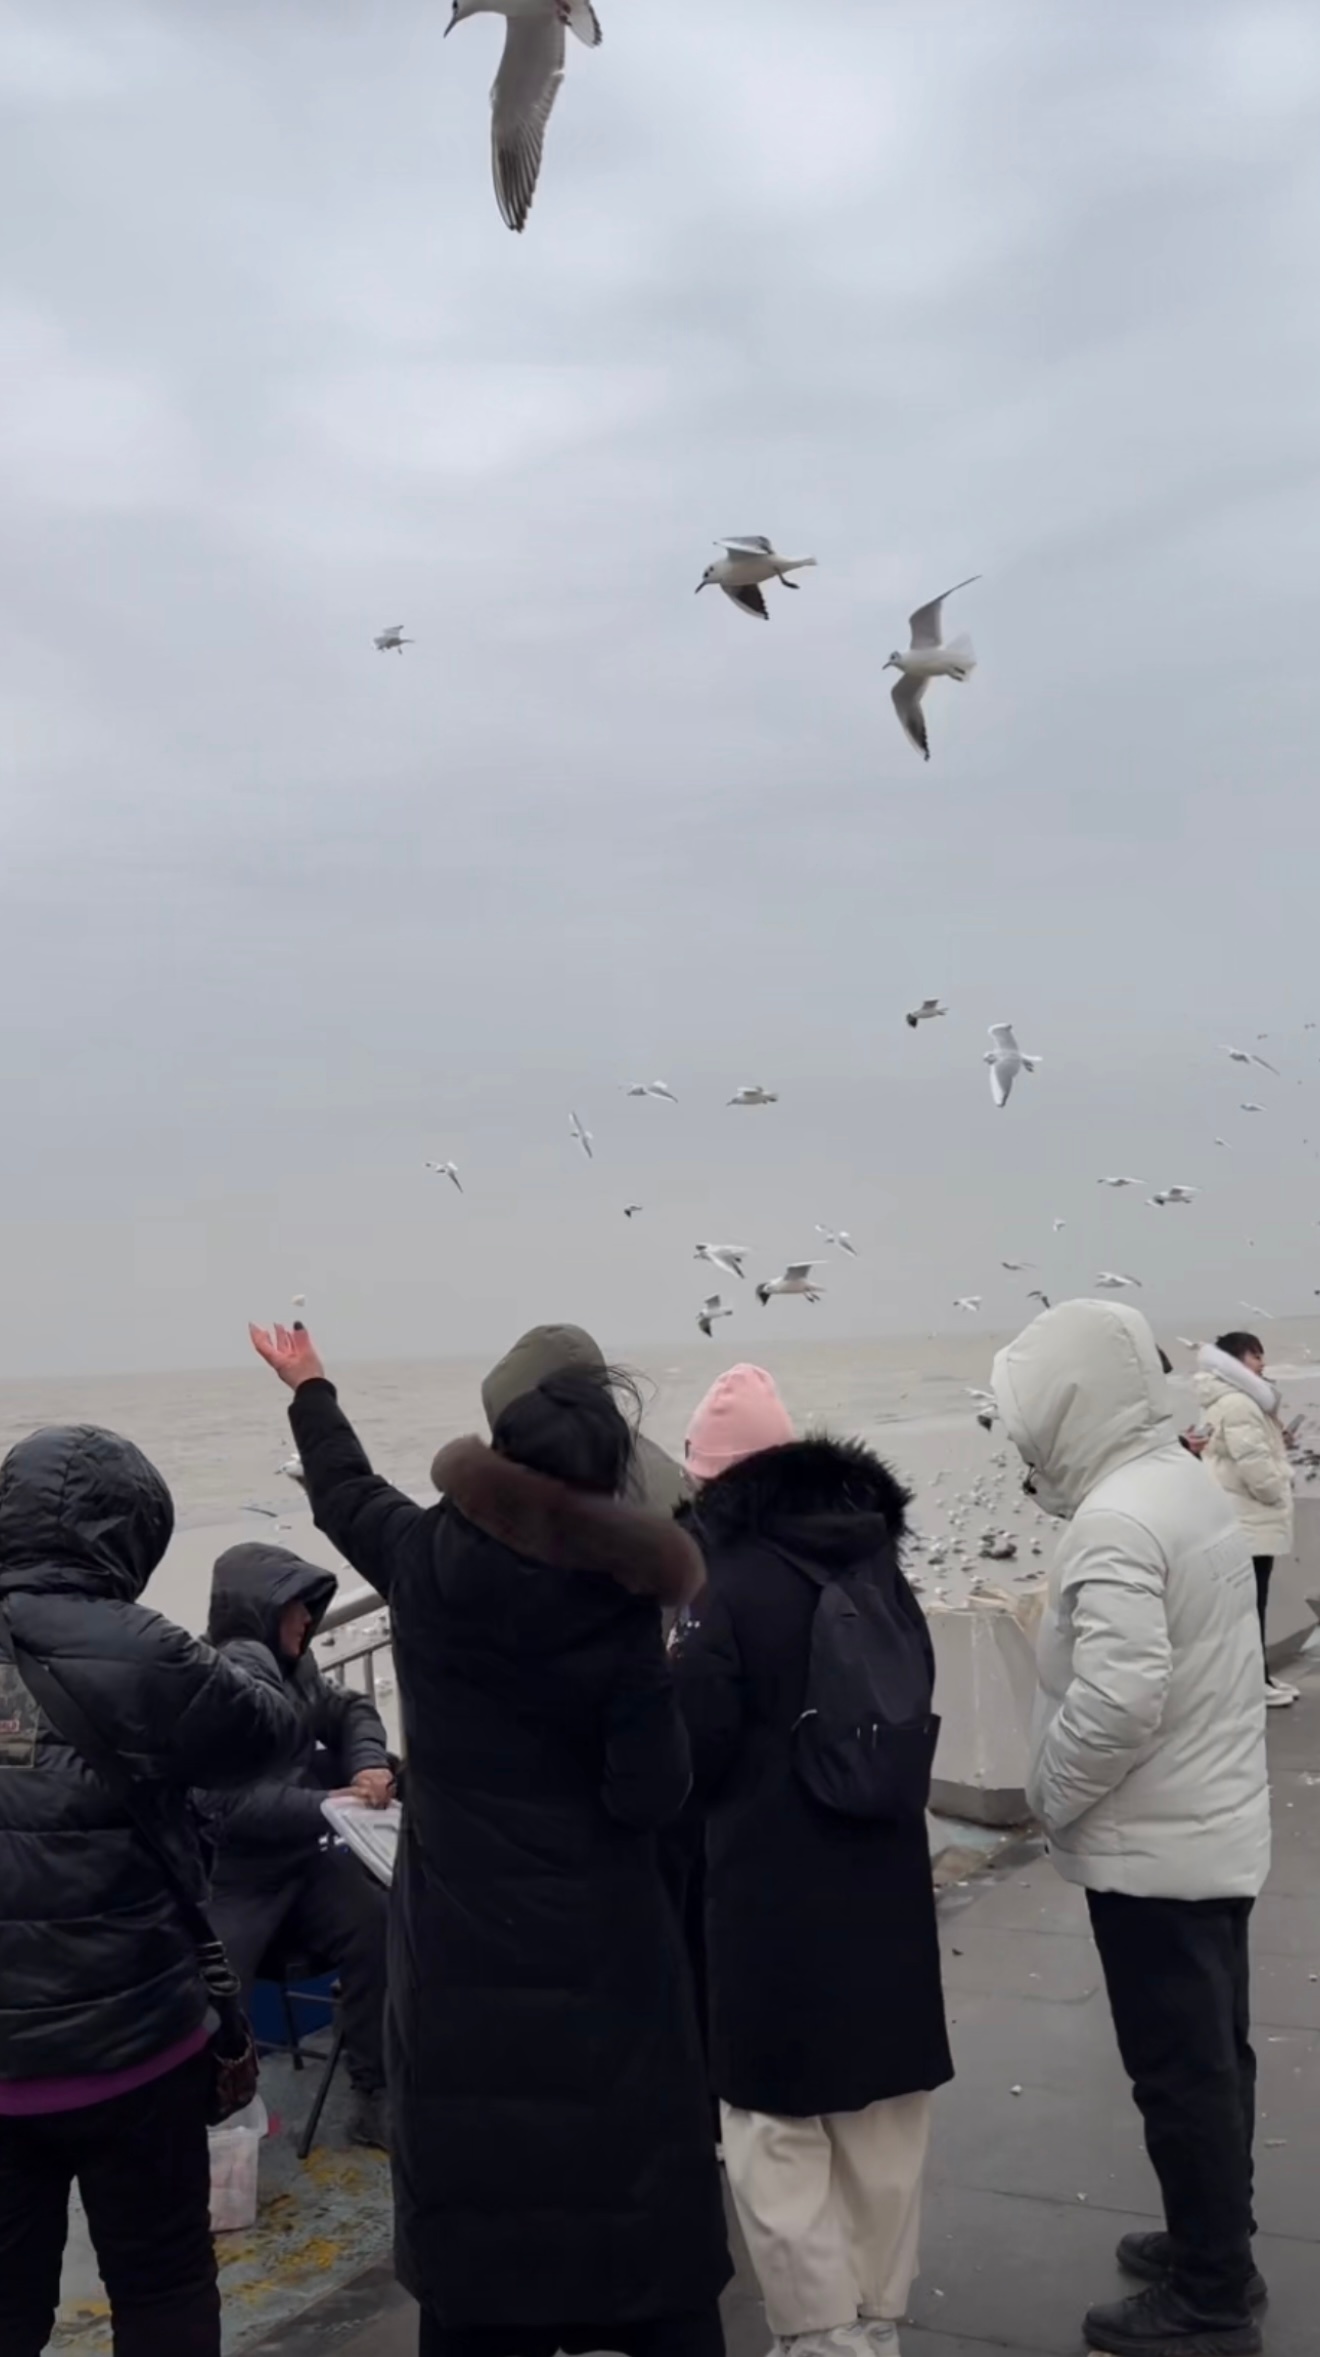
[{"x": 864, "y": 1744}]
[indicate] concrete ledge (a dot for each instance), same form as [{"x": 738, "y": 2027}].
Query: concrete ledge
[{"x": 985, "y": 1684}]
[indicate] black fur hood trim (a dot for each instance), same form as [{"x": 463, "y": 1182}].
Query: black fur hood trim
[
  {"x": 805, "y": 1481},
  {"x": 565, "y": 1529}
]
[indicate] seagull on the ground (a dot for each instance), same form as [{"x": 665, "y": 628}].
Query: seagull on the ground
[
  {"x": 796, "y": 1279},
  {"x": 579, "y": 1130},
  {"x": 971, "y": 1302},
  {"x": 711, "y": 1309},
  {"x": 652, "y": 1088},
  {"x": 750, "y": 559},
  {"x": 630, "y": 1210},
  {"x": 1120, "y": 1182},
  {"x": 1112, "y": 1281},
  {"x": 928, "y": 658},
  {"x": 1246, "y": 1056},
  {"x": 392, "y": 641},
  {"x": 1166, "y": 1195},
  {"x": 925, "y": 1013},
  {"x": 1036, "y": 1295},
  {"x": 755, "y": 1096},
  {"x": 447, "y": 1170},
  {"x": 1005, "y": 1059},
  {"x": 292, "y": 1469},
  {"x": 526, "y": 87},
  {"x": 727, "y": 1257},
  {"x": 839, "y": 1236}
]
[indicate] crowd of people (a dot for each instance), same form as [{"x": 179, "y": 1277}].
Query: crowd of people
[{"x": 663, "y": 1892}]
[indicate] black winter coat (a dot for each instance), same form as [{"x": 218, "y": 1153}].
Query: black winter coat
[
  {"x": 269, "y": 1831},
  {"x": 96, "y": 1972},
  {"x": 553, "y": 2156},
  {"x": 822, "y": 1952}
]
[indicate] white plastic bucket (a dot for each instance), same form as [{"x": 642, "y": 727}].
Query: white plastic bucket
[{"x": 235, "y": 2158}]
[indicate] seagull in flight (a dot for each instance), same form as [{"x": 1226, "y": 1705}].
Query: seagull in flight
[
  {"x": 526, "y": 87},
  {"x": 1036, "y": 1295},
  {"x": 1005, "y": 1059},
  {"x": 710, "y": 1310},
  {"x": 1166, "y": 1195},
  {"x": 970, "y": 1302},
  {"x": 928, "y": 658},
  {"x": 1111, "y": 1281},
  {"x": 1120, "y": 1182},
  {"x": 925, "y": 1013},
  {"x": 392, "y": 641},
  {"x": 652, "y": 1088},
  {"x": 796, "y": 1279},
  {"x": 1015, "y": 1267},
  {"x": 727, "y": 1257},
  {"x": 583, "y": 1135},
  {"x": 1246, "y": 1056},
  {"x": 630, "y": 1210},
  {"x": 839, "y": 1237},
  {"x": 749, "y": 560},
  {"x": 755, "y": 1096},
  {"x": 1249, "y": 1106},
  {"x": 1059, "y": 1226},
  {"x": 447, "y": 1170}
]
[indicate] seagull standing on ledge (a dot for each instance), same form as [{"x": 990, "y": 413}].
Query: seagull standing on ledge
[
  {"x": 747, "y": 563},
  {"x": 526, "y": 87}
]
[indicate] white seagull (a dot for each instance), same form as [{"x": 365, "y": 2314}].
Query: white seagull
[
  {"x": 839, "y": 1236},
  {"x": 796, "y": 1279},
  {"x": 971, "y": 1302},
  {"x": 1005, "y": 1059},
  {"x": 728, "y": 1257},
  {"x": 579, "y": 1130},
  {"x": 711, "y": 1309},
  {"x": 1167, "y": 1195},
  {"x": 630, "y": 1210},
  {"x": 1110, "y": 1281},
  {"x": 925, "y": 1013},
  {"x": 526, "y": 87},
  {"x": 1249, "y": 1106},
  {"x": 749, "y": 560},
  {"x": 652, "y": 1088},
  {"x": 928, "y": 658},
  {"x": 446, "y": 1170},
  {"x": 1016, "y": 1267},
  {"x": 392, "y": 641},
  {"x": 1120, "y": 1182},
  {"x": 754, "y": 1096},
  {"x": 1059, "y": 1226},
  {"x": 1036, "y": 1295},
  {"x": 1245, "y": 1056}
]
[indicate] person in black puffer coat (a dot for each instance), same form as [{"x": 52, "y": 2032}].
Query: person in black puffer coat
[
  {"x": 554, "y": 2170},
  {"x": 104, "y": 2077},
  {"x": 277, "y": 1877},
  {"x": 827, "y": 2029}
]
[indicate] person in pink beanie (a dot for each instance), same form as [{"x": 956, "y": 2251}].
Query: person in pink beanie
[{"x": 741, "y": 1414}]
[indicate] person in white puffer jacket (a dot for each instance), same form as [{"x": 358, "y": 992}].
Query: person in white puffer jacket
[
  {"x": 1148, "y": 1773},
  {"x": 1248, "y": 1456}
]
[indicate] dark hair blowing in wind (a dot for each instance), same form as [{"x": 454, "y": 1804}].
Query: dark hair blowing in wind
[{"x": 574, "y": 1427}]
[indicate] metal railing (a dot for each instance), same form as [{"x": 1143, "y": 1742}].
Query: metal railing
[{"x": 354, "y": 1647}]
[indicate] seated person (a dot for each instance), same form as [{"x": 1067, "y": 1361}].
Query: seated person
[{"x": 277, "y": 1875}]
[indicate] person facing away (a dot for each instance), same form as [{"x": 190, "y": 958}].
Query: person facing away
[
  {"x": 1248, "y": 1456},
  {"x": 827, "y": 2030},
  {"x": 554, "y": 2170},
  {"x": 277, "y": 1881},
  {"x": 654, "y": 1480},
  {"x": 104, "y": 2073},
  {"x": 1148, "y": 1774}
]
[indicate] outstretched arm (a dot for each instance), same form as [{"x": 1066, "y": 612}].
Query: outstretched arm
[{"x": 365, "y": 1516}]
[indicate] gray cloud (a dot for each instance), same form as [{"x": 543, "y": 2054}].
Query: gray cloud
[{"x": 1021, "y": 290}]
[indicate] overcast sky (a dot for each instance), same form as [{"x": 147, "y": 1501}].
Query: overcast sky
[{"x": 1007, "y": 288}]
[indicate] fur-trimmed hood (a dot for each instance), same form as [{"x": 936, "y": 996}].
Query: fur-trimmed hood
[
  {"x": 832, "y": 1499},
  {"x": 558, "y": 1529}
]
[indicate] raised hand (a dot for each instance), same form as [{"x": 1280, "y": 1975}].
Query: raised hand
[{"x": 291, "y": 1352}]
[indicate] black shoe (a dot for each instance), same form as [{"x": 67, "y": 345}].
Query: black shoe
[
  {"x": 1157, "y": 2323},
  {"x": 369, "y": 2118},
  {"x": 1151, "y": 2257}
]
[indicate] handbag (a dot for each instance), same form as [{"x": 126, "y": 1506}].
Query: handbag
[{"x": 233, "y": 2056}]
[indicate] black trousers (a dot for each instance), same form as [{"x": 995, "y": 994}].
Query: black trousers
[
  {"x": 1263, "y": 1565},
  {"x": 1178, "y": 1976},
  {"x": 698, "y": 2332},
  {"x": 334, "y": 1913},
  {"x": 143, "y": 2169}
]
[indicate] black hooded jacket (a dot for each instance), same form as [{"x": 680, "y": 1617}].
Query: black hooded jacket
[
  {"x": 271, "y": 1828},
  {"x": 822, "y": 1952},
  {"x": 553, "y": 2157},
  {"x": 96, "y": 1972}
]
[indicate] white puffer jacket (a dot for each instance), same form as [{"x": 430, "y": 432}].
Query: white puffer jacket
[
  {"x": 1148, "y": 1769},
  {"x": 1245, "y": 1451}
]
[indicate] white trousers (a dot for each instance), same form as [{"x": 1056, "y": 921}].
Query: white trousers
[{"x": 830, "y": 2209}]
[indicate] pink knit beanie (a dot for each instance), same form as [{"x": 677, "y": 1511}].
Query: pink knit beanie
[{"x": 741, "y": 1414}]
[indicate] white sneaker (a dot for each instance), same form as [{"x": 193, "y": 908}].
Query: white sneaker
[
  {"x": 1278, "y": 1696},
  {"x": 881, "y": 2336},
  {"x": 841, "y": 2340}
]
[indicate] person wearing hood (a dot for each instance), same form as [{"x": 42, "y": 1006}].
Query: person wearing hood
[
  {"x": 105, "y": 2078},
  {"x": 827, "y": 2029},
  {"x": 554, "y": 2173},
  {"x": 276, "y": 1874},
  {"x": 1148, "y": 1774},
  {"x": 1246, "y": 1451}
]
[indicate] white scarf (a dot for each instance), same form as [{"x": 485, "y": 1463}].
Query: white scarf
[{"x": 1213, "y": 1361}]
